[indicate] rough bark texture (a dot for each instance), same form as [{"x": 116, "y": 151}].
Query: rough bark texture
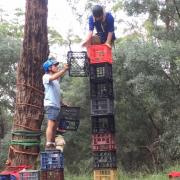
[{"x": 29, "y": 94}]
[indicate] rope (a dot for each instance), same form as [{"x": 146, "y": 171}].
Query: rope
[
  {"x": 26, "y": 133},
  {"x": 23, "y": 152},
  {"x": 29, "y": 105},
  {"x": 39, "y": 91},
  {"x": 26, "y": 142},
  {"x": 25, "y": 127}
]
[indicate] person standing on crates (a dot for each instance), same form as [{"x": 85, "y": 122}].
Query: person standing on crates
[
  {"x": 103, "y": 22},
  {"x": 52, "y": 98}
]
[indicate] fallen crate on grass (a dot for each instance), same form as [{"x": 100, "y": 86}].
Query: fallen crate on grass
[{"x": 29, "y": 175}]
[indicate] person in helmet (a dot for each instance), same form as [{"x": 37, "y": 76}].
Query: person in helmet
[
  {"x": 103, "y": 22},
  {"x": 52, "y": 98}
]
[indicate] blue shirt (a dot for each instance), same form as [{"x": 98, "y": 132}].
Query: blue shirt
[
  {"x": 103, "y": 27},
  {"x": 52, "y": 91}
]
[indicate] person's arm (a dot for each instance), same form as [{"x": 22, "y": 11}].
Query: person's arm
[
  {"x": 110, "y": 26},
  {"x": 109, "y": 39},
  {"x": 59, "y": 74},
  {"x": 88, "y": 38}
]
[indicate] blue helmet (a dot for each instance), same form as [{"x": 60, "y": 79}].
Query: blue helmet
[{"x": 48, "y": 63}]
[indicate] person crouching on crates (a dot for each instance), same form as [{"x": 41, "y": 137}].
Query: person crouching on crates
[
  {"x": 52, "y": 98},
  {"x": 103, "y": 22}
]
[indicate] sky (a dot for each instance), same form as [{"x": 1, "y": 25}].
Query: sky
[{"x": 61, "y": 18}]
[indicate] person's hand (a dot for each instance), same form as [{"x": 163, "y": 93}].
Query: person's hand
[
  {"x": 108, "y": 44},
  {"x": 66, "y": 66}
]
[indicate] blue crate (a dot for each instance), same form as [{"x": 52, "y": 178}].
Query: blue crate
[
  {"x": 7, "y": 177},
  {"x": 52, "y": 160}
]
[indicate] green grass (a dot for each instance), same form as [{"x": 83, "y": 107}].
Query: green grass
[{"x": 137, "y": 176}]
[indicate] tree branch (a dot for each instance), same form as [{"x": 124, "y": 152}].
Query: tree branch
[{"x": 176, "y": 8}]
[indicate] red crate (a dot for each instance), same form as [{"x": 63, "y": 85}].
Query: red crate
[
  {"x": 52, "y": 175},
  {"x": 103, "y": 142},
  {"x": 99, "y": 54}
]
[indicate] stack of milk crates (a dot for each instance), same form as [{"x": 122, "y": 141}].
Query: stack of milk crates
[{"x": 102, "y": 113}]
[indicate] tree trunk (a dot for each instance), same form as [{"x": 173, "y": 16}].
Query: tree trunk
[{"x": 29, "y": 95}]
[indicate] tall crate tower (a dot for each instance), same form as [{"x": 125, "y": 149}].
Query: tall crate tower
[{"x": 102, "y": 113}]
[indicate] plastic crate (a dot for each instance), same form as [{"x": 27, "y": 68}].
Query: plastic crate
[
  {"x": 7, "y": 177},
  {"x": 102, "y": 106},
  {"x": 29, "y": 175},
  {"x": 52, "y": 160},
  {"x": 101, "y": 89},
  {"x": 99, "y": 54},
  {"x": 106, "y": 174},
  {"x": 52, "y": 175},
  {"x": 103, "y": 124},
  {"x": 174, "y": 175},
  {"x": 99, "y": 72},
  {"x": 103, "y": 142},
  {"x": 78, "y": 64},
  {"x": 105, "y": 159},
  {"x": 69, "y": 118}
]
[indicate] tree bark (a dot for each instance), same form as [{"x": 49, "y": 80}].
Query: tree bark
[{"x": 29, "y": 95}]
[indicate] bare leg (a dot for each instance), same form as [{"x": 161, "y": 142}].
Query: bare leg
[{"x": 51, "y": 131}]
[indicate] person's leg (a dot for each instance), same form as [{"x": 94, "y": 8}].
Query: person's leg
[{"x": 51, "y": 131}]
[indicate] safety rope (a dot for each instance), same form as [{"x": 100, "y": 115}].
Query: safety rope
[
  {"x": 23, "y": 152},
  {"x": 29, "y": 105},
  {"x": 41, "y": 92},
  {"x": 27, "y": 142},
  {"x": 25, "y": 127},
  {"x": 26, "y": 133}
]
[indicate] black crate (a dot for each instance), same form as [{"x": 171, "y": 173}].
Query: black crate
[
  {"x": 101, "y": 89},
  {"x": 103, "y": 124},
  {"x": 78, "y": 64},
  {"x": 102, "y": 106},
  {"x": 69, "y": 118},
  {"x": 100, "y": 71},
  {"x": 68, "y": 125},
  {"x": 51, "y": 160},
  {"x": 105, "y": 159}
]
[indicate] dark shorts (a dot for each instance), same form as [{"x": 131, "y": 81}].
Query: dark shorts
[{"x": 52, "y": 113}]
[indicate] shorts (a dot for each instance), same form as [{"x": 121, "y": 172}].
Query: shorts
[{"x": 52, "y": 113}]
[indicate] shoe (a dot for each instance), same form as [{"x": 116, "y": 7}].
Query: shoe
[{"x": 50, "y": 147}]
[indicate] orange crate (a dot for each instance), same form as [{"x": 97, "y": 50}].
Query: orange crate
[
  {"x": 105, "y": 174},
  {"x": 99, "y": 54}
]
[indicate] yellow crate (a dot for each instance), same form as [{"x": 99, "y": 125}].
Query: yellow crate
[{"x": 105, "y": 174}]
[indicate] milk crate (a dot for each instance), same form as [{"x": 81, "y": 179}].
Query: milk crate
[
  {"x": 52, "y": 175},
  {"x": 69, "y": 118},
  {"x": 175, "y": 175},
  {"x": 103, "y": 142},
  {"x": 100, "y": 54},
  {"x": 105, "y": 159},
  {"x": 78, "y": 64},
  {"x": 106, "y": 174},
  {"x": 29, "y": 175},
  {"x": 103, "y": 124},
  {"x": 102, "y": 106},
  {"x": 52, "y": 160},
  {"x": 101, "y": 71},
  {"x": 7, "y": 177},
  {"x": 101, "y": 89}
]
